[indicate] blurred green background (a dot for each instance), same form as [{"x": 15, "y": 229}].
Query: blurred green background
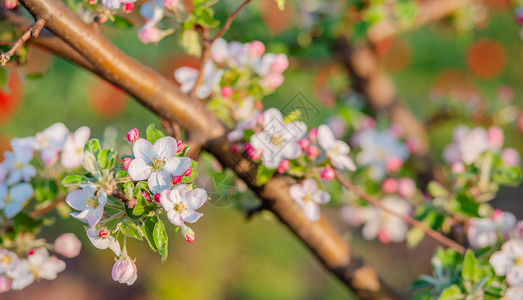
[{"x": 233, "y": 258}]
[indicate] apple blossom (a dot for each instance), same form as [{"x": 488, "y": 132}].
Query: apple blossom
[
  {"x": 327, "y": 173},
  {"x": 180, "y": 146},
  {"x": 68, "y": 245},
  {"x": 468, "y": 145},
  {"x": 38, "y": 265},
  {"x": 132, "y": 135},
  {"x": 376, "y": 148},
  {"x": 148, "y": 35},
  {"x": 385, "y": 225},
  {"x": 284, "y": 165},
  {"x": 272, "y": 81},
  {"x": 187, "y": 233},
  {"x": 157, "y": 163},
  {"x": 126, "y": 163},
  {"x": 256, "y": 48},
  {"x": 508, "y": 261},
  {"x": 227, "y": 91},
  {"x": 124, "y": 270},
  {"x": 313, "y": 134},
  {"x": 73, "y": 153},
  {"x": 86, "y": 200},
  {"x": 514, "y": 293},
  {"x": 13, "y": 201},
  {"x": 181, "y": 205},
  {"x": 18, "y": 162},
  {"x": 186, "y": 76},
  {"x": 5, "y": 284},
  {"x": 50, "y": 142},
  {"x": 389, "y": 185},
  {"x": 338, "y": 126},
  {"x": 308, "y": 196},
  {"x": 8, "y": 261},
  {"x": 481, "y": 233},
  {"x": 278, "y": 140},
  {"x": 406, "y": 188},
  {"x": 304, "y": 144},
  {"x": 394, "y": 164},
  {"x": 313, "y": 152},
  {"x": 336, "y": 150},
  {"x": 9, "y": 4},
  {"x": 176, "y": 180},
  {"x": 101, "y": 239}
]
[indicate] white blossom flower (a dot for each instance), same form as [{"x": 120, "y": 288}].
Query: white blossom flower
[
  {"x": 115, "y": 4},
  {"x": 181, "y": 205},
  {"x": 157, "y": 163},
  {"x": 309, "y": 196},
  {"x": 509, "y": 261},
  {"x": 376, "y": 149},
  {"x": 18, "y": 162},
  {"x": 235, "y": 54},
  {"x": 247, "y": 118},
  {"x": 8, "y": 261},
  {"x": 73, "y": 153},
  {"x": 481, "y": 233},
  {"x": 278, "y": 140},
  {"x": 514, "y": 293},
  {"x": 102, "y": 239},
  {"x": 124, "y": 270},
  {"x": 383, "y": 225},
  {"x": 187, "y": 76},
  {"x": 51, "y": 141},
  {"x": 91, "y": 207},
  {"x": 68, "y": 245},
  {"x": 38, "y": 265},
  {"x": 336, "y": 150},
  {"x": 5, "y": 284},
  {"x": 13, "y": 201},
  {"x": 467, "y": 145}
]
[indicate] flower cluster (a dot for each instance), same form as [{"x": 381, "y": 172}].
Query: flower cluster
[{"x": 128, "y": 199}]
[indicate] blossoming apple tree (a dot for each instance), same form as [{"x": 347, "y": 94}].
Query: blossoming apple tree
[{"x": 385, "y": 181}]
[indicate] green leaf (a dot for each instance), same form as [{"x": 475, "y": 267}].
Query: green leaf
[
  {"x": 90, "y": 164},
  {"x": 153, "y": 133},
  {"x": 107, "y": 159},
  {"x": 93, "y": 145},
  {"x": 204, "y": 17},
  {"x": 263, "y": 175},
  {"x": 139, "y": 208},
  {"x": 507, "y": 175},
  {"x": 468, "y": 205},
  {"x": 469, "y": 267},
  {"x": 72, "y": 180},
  {"x": 436, "y": 189},
  {"x": 129, "y": 189},
  {"x": 45, "y": 190},
  {"x": 4, "y": 78},
  {"x": 453, "y": 292},
  {"x": 119, "y": 22},
  {"x": 281, "y": 4},
  {"x": 142, "y": 185},
  {"x": 161, "y": 239},
  {"x": 190, "y": 41},
  {"x": 147, "y": 230},
  {"x": 129, "y": 229},
  {"x": 24, "y": 222},
  {"x": 35, "y": 76}
]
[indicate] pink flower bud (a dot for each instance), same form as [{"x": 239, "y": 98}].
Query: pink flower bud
[
  {"x": 103, "y": 234},
  {"x": 497, "y": 214},
  {"x": 9, "y": 4},
  {"x": 128, "y": 7},
  {"x": 227, "y": 91},
  {"x": 31, "y": 252},
  {"x": 518, "y": 15},
  {"x": 258, "y": 105},
  {"x": 272, "y": 81},
  {"x": 327, "y": 173},
  {"x": 188, "y": 233},
  {"x": 253, "y": 153},
  {"x": 171, "y": 4},
  {"x": 146, "y": 196},
  {"x": 510, "y": 157},
  {"x": 394, "y": 164},
  {"x": 132, "y": 135},
  {"x": 235, "y": 148},
  {"x": 413, "y": 145},
  {"x": 188, "y": 172},
  {"x": 149, "y": 35},
  {"x": 495, "y": 136},
  {"x": 396, "y": 130},
  {"x": 126, "y": 162},
  {"x": 280, "y": 64},
  {"x": 176, "y": 180},
  {"x": 389, "y": 185},
  {"x": 304, "y": 144},
  {"x": 179, "y": 146},
  {"x": 93, "y": 1},
  {"x": 157, "y": 197},
  {"x": 284, "y": 165},
  {"x": 124, "y": 271},
  {"x": 406, "y": 188},
  {"x": 313, "y": 151},
  {"x": 256, "y": 48},
  {"x": 67, "y": 245},
  {"x": 5, "y": 284},
  {"x": 457, "y": 168},
  {"x": 383, "y": 236},
  {"x": 313, "y": 134}
]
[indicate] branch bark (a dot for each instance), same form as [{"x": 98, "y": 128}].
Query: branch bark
[{"x": 164, "y": 98}]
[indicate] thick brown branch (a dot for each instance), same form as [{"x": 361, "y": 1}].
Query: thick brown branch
[
  {"x": 165, "y": 99},
  {"x": 427, "y": 230},
  {"x": 33, "y": 31},
  {"x": 428, "y": 12}
]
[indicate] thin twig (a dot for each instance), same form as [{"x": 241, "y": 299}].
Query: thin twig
[
  {"x": 429, "y": 231},
  {"x": 33, "y": 31},
  {"x": 207, "y": 44},
  {"x": 47, "y": 208}
]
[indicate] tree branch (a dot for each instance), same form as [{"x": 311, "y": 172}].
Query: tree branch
[
  {"x": 427, "y": 230},
  {"x": 164, "y": 98},
  {"x": 428, "y": 12},
  {"x": 33, "y": 31}
]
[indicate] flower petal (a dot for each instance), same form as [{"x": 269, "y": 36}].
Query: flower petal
[
  {"x": 325, "y": 137},
  {"x": 176, "y": 166},
  {"x": 76, "y": 199},
  {"x": 143, "y": 149},
  {"x": 191, "y": 216},
  {"x": 312, "y": 211},
  {"x": 21, "y": 192},
  {"x": 194, "y": 199},
  {"x": 159, "y": 181},
  {"x": 165, "y": 147},
  {"x": 139, "y": 169},
  {"x": 175, "y": 218}
]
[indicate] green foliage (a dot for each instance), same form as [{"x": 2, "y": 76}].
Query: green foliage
[
  {"x": 264, "y": 174},
  {"x": 129, "y": 229},
  {"x": 153, "y": 133},
  {"x": 161, "y": 239},
  {"x": 147, "y": 230}
]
